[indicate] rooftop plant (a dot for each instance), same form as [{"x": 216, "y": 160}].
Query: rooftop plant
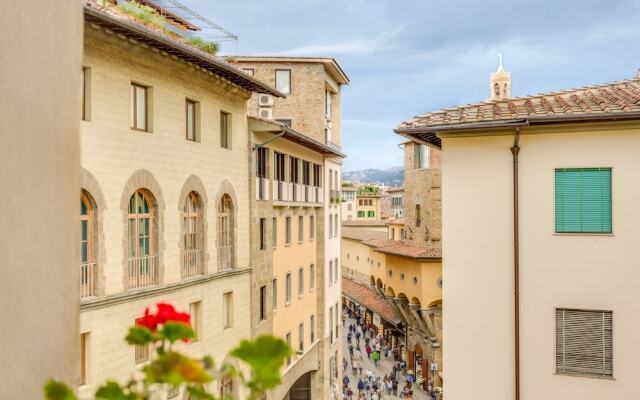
[
  {"x": 207, "y": 47},
  {"x": 264, "y": 356},
  {"x": 145, "y": 14}
]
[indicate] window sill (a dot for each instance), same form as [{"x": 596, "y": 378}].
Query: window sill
[
  {"x": 287, "y": 303},
  {"x": 583, "y": 234},
  {"x": 140, "y": 130},
  {"x": 577, "y": 375}
]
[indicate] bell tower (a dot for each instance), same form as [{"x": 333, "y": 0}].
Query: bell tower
[{"x": 500, "y": 83}]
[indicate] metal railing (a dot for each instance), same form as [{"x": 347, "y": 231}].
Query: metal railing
[
  {"x": 334, "y": 196},
  {"x": 88, "y": 280},
  {"x": 192, "y": 263},
  {"x": 262, "y": 189},
  {"x": 294, "y": 191},
  {"x": 143, "y": 272},
  {"x": 225, "y": 258}
]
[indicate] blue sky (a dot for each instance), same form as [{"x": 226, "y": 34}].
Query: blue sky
[{"x": 407, "y": 57}]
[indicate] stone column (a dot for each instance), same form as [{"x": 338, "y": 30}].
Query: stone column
[
  {"x": 413, "y": 309},
  {"x": 427, "y": 315},
  {"x": 392, "y": 303}
]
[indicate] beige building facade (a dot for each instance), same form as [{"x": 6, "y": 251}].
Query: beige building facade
[
  {"x": 296, "y": 144},
  {"x": 349, "y": 210},
  {"x": 556, "y": 175},
  {"x": 163, "y": 217}
]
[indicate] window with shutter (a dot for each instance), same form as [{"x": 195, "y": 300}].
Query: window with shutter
[
  {"x": 584, "y": 342},
  {"x": 583, "y": 200}
]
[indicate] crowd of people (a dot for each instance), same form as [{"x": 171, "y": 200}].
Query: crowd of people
[{"x": 364, "y": 341}]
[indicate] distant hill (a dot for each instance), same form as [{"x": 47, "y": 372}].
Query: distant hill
[{"x": 390, "y": 177}]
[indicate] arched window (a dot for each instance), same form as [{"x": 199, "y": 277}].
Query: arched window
[
  {"x": 88, "y": 272},
  {"x": 496, "y": 89},
  {"x": 192, "y": 236},
  {"x": 505, "y": 89},
  {"x": 225, "y": 233},
  {"x": 143, "y": 270}
]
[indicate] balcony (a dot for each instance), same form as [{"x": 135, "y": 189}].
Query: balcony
[
  {"x": 280, "y": 191},
  {"x": 88, "y": 280},
  {"x": 262, "y": 188},
  {"x": 334, "y": 196},
  {"x": 143, "y": 272},
  {"x": 192, "y": 264}
]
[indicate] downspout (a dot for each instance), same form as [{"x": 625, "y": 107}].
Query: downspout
[
  {"x": 515, "y": 149},
  {"x": 280, "y": 134}
]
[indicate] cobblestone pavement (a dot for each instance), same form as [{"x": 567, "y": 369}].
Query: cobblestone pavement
[{"x": 384, "y": 367}]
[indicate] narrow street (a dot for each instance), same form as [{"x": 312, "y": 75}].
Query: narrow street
[{"x": 385, "y": 366}]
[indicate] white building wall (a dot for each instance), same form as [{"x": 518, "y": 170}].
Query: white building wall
[{"x": 596, "y": 272}]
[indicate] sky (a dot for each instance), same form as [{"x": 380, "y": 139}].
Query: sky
[{"x": 408, "y": 57}]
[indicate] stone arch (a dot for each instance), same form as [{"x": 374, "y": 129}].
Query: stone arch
[
  {"x": 225, "y": 189},
  {"x": 402, "y": 296},
  {"x": 435, "y": 303},
  {"x": 194, "y": 184},
  {"x": 415, "y": 301},
  {"x": 91, "y": 189},
  {"x": 372, "y": 280},
  {"x": 144, "y": 180},
  {"x": 390, "y": 292}
]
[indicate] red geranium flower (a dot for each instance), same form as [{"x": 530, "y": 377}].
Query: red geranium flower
[
  {"x": 149, "y": 321},
  {"x": 166, "y": 312}
]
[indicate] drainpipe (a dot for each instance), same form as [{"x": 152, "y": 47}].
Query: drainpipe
[
  {"x": 280, "y": 134},
  {"x": 515, "y": 149}
]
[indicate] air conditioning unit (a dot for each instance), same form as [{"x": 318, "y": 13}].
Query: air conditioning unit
[
  {"x": 265, "y": 100},
  {"x": 266, "y": 113}
]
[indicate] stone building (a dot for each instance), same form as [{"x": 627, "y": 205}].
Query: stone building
[
  {"x": 296, "y": 148},
  {"x": 349, "y": 211},
  {"x": 396, "y": 202},
  {"x": 163, "y": 216},
  {"x": 539, "y": 198}
]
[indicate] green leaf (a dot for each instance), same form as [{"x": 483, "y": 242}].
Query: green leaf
[
  {"x": 56, "y": 390},
  {"x": 265, "y": 355},
  {"x": 113, "y": 391},
  {"x": 197, "y": 392},
  {"x": 139, "y": 335},
  {"x": 174, "y": 331}
]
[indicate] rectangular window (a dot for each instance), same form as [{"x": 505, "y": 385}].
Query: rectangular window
[
  {"x": 274, "y": 232},
  {"x": 139, "y": 107},
  {"x": 249, "y": 71},
  {"x": 283, "y": 80},
  {"x": 301, "y": 337},
  {"x": 263, "y": 233},
  {"x": 421, "y": 156},
  {"x": 195, "y": 310},
  {"x": 300, "y": 228},
  {"x": 312, "y": 276},
  {"x": 288, "y": 339},
  {"x": 86, "y": 94},
  {"x": 584, "y": 342},
  {"x": 306, "y": 172},
  {"x": 337, "y": 317},
  {"x": 293, "y": 169},
  {"x": 191, "y": 120},
  {"x": 316, "y": 175},
  {"x": 331, "y": 325},
  {"x": 287, "y": 231},
  {"x": 371, "y": 214},
  {"x": 261, "y": 162},
  {"x": 336, "y": 273},
  {"x": 327, "y": 103},
  {"x": 141, "y": 353},
  {"x": 312, "y": 328},
  {"x": 274, "y": 294},
  {"x": 279, "y": 164},
  {"x": 330, "y": 225},
  {"x": 583, "y": 200},
  {"x": 84, "y": 358},
  {"x": 418, "y": 216},
  {"x": 312, "y": 227},
  {"x": 330, "y": 272},
  {"x": 300, "y": 282},
  {"x": 225, "y": 130},
  {"x": 263, "y": 303},
  {"x": 227, "y": 307},
  {"x": 287, "y": 289},
  {"x": 360, "y": 214},
  {"x": 335, "y": 225}
]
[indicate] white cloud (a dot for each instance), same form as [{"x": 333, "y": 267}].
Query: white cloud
[{"x": 380, "y": 42}]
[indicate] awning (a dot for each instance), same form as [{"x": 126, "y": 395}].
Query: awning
[{"x": 370, "y": 299}]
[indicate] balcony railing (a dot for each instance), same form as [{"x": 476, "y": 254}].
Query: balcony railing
[
  {"x": 262, "y": 188},
  {"x": 143, "y": 272},
  {"x": 294, "y": 191},
  {"x": 88, "y": 280},
  {"x": 225, "y": 258},
  {"x": 334, "y": 196},
  {"x": 280, "y": 190},
  {"x": 192, "y": 264}
]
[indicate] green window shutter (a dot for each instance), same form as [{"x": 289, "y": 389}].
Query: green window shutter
[{"x": 583, "y": 200}]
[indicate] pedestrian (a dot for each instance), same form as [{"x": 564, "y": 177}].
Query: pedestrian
[
  {"x": 350, "y": 347},
  {"x": 357, "y": 354},
  {"x": 354, "y": 367},
  {"x": 375, "y": 356},
  {"x": 345, "y": 380},
  {"x": 360, "y": 368},
  {"x": 367, "y": 348},
  {"x": 375, "y": 396},
  {"x": 360, "y": 386},
  {"x": 389, "y": 386},
  {"x": 349, "y": 337},
  {"x": 350, "y": 393}
]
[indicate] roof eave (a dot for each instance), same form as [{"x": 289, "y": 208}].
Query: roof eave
[{"x": 219, "y": 68}]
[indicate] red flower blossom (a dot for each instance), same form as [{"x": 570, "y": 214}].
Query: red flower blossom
[
  {"x": 166, "y": 313},
  {"x": 149, "y": 321}
]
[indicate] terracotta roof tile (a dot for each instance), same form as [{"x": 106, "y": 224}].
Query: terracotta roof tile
[
  {"x": 369, "y": 298},
  {"x": 612, "y": 98},
  {"x": 361, "y": 234},
  {"x": 364, "y": 223}
]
